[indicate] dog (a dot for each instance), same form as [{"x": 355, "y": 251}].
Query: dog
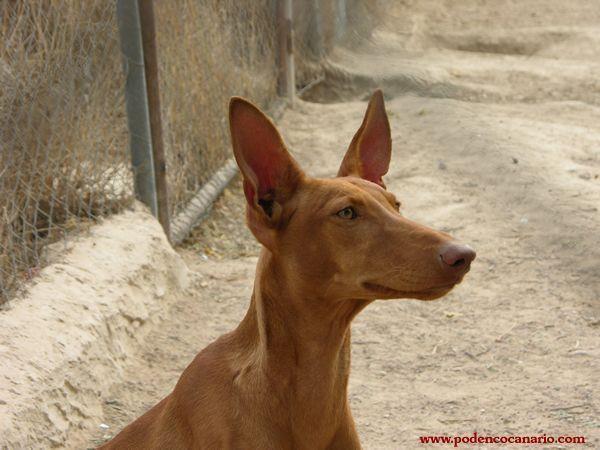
[{"x": 330, "y": 247}]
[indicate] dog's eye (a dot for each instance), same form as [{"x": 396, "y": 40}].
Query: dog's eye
[
  {"x": 398, "y": 205},
  {"x": 347, "y": 213}
]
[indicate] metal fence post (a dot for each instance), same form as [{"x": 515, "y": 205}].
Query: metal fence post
[
  {"x": 315, "y": 38},
  {"x": 138, "y": 118},
  {"x": 138, "y": 45},
  {"x": 341, "y": 19},
  {"x": 287, "y": 81},
  {"x": 146, "y": 11}
]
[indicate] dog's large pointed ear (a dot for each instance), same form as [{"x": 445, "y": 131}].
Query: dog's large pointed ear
[
  {"x": 270, "y": 173},
  {"x": 370, "y": 151}
]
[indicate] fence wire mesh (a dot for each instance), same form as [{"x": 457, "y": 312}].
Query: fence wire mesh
[
  {"x": 64, "y": 157},
  {"x": 208, "y": 51}
]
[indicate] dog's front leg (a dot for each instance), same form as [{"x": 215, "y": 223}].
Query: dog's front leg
[{"x": 346, "y": 437}]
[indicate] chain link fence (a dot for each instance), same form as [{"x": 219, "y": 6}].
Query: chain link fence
[
  {"x": 64, "y": 157},
  {"x": 209, "y": 51},
  {"x": 63, "y": 134}
]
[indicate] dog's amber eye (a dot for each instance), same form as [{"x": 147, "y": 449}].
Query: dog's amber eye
[{"x": 347, "y": 213}]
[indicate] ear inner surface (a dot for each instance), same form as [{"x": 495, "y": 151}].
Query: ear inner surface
[
  {"x": 375, "y": 149},
  {"x": 270, "y": 173},
  {"x": 370, "y": 151}
]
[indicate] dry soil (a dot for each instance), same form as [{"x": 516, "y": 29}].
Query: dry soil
[{"x": 495, "y": 116}]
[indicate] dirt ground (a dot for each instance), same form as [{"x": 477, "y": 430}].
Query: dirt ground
[{"x": 495, "y": 116}]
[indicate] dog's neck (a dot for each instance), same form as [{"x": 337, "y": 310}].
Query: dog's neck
[{"x": 301, "y": 342}]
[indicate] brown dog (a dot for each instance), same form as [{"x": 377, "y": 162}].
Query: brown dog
[{"x": 330, "y": 247}]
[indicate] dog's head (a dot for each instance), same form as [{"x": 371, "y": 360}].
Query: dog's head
[{"x": 346, "y": 234}]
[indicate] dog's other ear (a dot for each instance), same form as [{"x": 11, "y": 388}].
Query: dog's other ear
[
  {"x": 270, "y": 173},
  {"x": 370, "y": 151}
]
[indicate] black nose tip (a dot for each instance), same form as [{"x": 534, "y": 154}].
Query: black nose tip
[{"x": 457, "y": 255}]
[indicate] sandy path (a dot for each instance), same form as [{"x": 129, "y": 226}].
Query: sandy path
[{"x": 514, "y": 172}]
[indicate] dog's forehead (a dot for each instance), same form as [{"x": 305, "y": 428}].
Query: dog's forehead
[
  {"x": 371, "y": 188},
  {"x": 331, "y": 188}
]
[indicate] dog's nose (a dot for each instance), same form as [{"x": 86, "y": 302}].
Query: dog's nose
[{"x": 457, "y": 256}]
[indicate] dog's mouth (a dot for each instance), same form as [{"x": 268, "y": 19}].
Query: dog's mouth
[{"x": 385, "y": 292}]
